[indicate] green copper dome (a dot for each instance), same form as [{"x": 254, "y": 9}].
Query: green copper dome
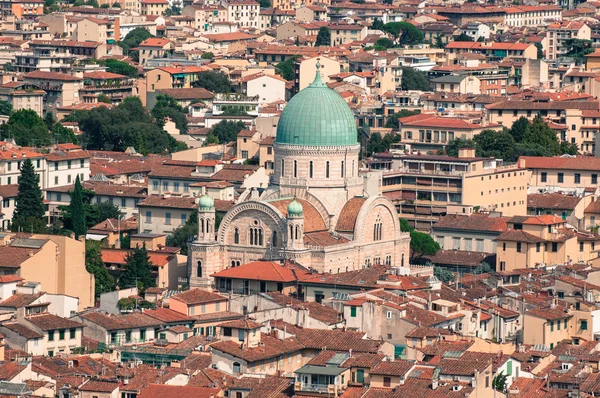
[
  {"x": 206, "y": 202},
  {"x": 294, "y": 208},
  {"x": 317, "y": 116}
]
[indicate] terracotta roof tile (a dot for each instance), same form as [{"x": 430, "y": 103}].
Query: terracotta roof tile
[
  {"x": 396, "y": 368},
  {"x": 264, "y": 271},
  {"x": 312, "y": 218},
  {"x": 22, "y": 330},
  {"x": 347, "y": 219},
  {"x": 474, "y": 222},
  {"x": 197, "y": 296},
  {"x": 53, "y": 322},
  {"x": 271, "y": 347},
  {"x": 167, "y": 315},
  {"x": 121, "y": 321},
  {"x": 557, "y": 201},
  {"x": 172, "y": 391}
]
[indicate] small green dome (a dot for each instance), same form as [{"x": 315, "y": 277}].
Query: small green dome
[
  {"x": 294, "y": 208},
  {"x": 206, "y": 202},
  {"x": 317, "y": 116}
]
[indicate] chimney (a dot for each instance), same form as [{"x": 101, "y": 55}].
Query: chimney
[{"x": 464, "y": 153}]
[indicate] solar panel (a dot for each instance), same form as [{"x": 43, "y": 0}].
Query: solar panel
[{"x": 338, "y": 359}]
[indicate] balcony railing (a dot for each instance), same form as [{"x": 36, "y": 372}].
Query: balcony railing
[{"x": 318, "y": 388}]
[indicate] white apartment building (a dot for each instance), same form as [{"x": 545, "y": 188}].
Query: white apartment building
[
  {"x": 64, "y": 167},
  {"x": 532, "y": 15},
  {"x": 559, "y": 33},
  {"x": 243, "y": 12}
]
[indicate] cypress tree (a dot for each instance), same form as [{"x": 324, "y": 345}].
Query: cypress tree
[
  {"x": 138, "y": 270},
  {"x": 29, "y": 212},
  {"x": 77, "y": 210}
]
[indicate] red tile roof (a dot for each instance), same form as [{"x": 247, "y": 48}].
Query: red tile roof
[
  {"x": 197, "y": 296},
  {"x": 262, "y": 271},
  {"x": 562, "y": 163},
  {"x": 169, "y": 391},
  {"x": 119, "y": 256}
]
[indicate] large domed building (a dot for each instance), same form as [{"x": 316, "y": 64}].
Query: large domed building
[{"x": 316, "y": 211}]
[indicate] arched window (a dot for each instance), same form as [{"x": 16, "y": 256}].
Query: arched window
[
  {"x": 295, "y": 169},
  {"x": 199, "y": 269},
  {"x": 256, "y": 237},
  {"x": 402, "y": 263},
  {"x": 297, "y": 232},
  {"x": 342, "y": 171},
  {"x": 274, "y": 239},
  {"x": 202, "y": 225},
  {"x": 232, "y": 263},
  {"x": 353, "y": 168},
  {"x": 282, "y": 167},
  {"x": 236, "y": 236},
  {"x": 378, "y": 229},
  {"x": 310, "y": 169},
  {"x": 236, "y": 367},
  {"x": 237, "y": 263},
  {"x": 326, "y": 169}
]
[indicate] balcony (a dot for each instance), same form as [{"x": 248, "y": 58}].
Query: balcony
[{"x": 315, "y": 388}]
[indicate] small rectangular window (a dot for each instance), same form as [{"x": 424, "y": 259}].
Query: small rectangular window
[{"x": 353, "y": 312}]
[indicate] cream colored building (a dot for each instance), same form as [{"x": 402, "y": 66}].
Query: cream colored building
[
  {"x": 318, "y": 209},
  {"x": 547, "y": 326},
  {"x": 153, "y": 7},
  {"x": 306, "y": 68},
  {"x": 561, "y": 173},
  {"x": 57, "y": 262},
  {"x": 559, "y": 33},
  {"x": 425, "y": 187},
  {"x": 535, "y": 241}
]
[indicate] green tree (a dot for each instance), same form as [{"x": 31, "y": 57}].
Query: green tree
[
  {"x": 286, "y": 68},
  {"x": 105, "y": 210},
  {"x": 119, "y": 67},
  {"x": 172, "y": 10},
  {"x": 578, "y": 49},
  {"x": 62, "y": 135},
  {"x": 128, "y": 124},
  {"x": 323, "y": 37},
  {"x": 540, "y": 50},
  {"x": 443, "y": 274},
  {"x": 377, "y": 24},
  {"x": 458, "y": 143},
  {"x": 77, "y": 210},
  {"x": 392, "y": 120},
  {"x": 499, "y": 382},
  {"x": 166, "y": 106},
  {"x": 404, "y": 226},
  {"x": 27, "y": 129},
  {"x": 520, "y": 128},
  {"x": 439, "y": 41},
  {"x": 227, "y": 130},
  {"x": 29, "y": 210},
  {"x": 132, "y": 40},
  {"x": 216, "y": 82},
  {"x": 484, "y": 268},
  {"x": 138, "y": 270},
  {"x": 497, "y": 144},
  {"x": 5, "y": 108},
  {"x": 208, "y": 55},
  {"x": 92, "y": 3},
  {"x": 385, "y": 43},
  {"x": 404, "y": 33},
  {"x": 413, "y": 79},
  {"x": 463, "y": 37},
  {"x": 264, "y": 3},
  {"x": 116, "y": 5},
  {"x": 181, "y": 235},
  {"x": 95, "y": 266},
  {"x": 104, "y": 99},
  {"x": 422, "y": 244},
  {"x": 105, "y": 6}
]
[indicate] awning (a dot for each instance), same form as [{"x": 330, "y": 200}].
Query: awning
[{"x": 95, "y": 236}]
